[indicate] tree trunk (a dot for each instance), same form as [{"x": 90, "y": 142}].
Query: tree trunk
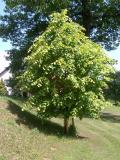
[
  {"x": 66, "y": 120},
  {"x": 86, "y": 15},
  {"x": 73, "y": 122}
]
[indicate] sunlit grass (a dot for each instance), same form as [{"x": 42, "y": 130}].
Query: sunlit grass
[{"x": 25, "y": 137}]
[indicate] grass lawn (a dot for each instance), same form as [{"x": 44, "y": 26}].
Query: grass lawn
[{"x": 24, "y": 137}]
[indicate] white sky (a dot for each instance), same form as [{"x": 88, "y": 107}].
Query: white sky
[
  {"x": 3, "y": 64},
  {"x": 115, "y": 54}
]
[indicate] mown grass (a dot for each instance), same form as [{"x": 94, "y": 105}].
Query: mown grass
[{"x": 25, "y": 137}]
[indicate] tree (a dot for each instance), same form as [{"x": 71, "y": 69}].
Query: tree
[
  {"x": 24, "y": 20},
  {"x": 3, "y": 90},
  {"x": 65, "y": 71},
  {"x": 112, "y": 92}
]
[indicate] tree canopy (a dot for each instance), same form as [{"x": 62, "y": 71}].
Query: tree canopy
[
  {"x": 65, "y": 71},
  {"x": 112, "y": 92},
  {"x": 24, "y": 20}
]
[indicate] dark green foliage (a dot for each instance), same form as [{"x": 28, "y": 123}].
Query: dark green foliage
[
  {"x": 113, "y": 90},
  {"x": 24, "y": 19}
]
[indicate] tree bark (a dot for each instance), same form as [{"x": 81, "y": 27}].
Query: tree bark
[
  {"x": 66, "y": 124},
  {"x": 73, "y": 122},
  {"x": 86, "y": 16}
]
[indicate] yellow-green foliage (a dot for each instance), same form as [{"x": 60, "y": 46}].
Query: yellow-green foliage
[
  {"x": 3, "y": 90},
  {"x": 65, "y": 71}
]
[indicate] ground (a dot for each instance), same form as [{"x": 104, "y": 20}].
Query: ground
[{"x": 24, "y": 137}]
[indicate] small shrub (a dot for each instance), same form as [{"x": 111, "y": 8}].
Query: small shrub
[{"x": 3, "y": 90}]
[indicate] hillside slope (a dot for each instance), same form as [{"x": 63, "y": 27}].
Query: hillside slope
[{"x": 24, "y": 137}]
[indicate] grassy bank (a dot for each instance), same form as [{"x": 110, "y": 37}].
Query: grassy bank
[{"x": 24, "y": 137}]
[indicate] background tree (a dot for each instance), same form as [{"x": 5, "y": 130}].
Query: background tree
[
  {"x": 65, "y": 72},
  {"x": 26, "y": 19},
  {"x": 112, "y": 92},
  {"x": 3, "y": 90}
]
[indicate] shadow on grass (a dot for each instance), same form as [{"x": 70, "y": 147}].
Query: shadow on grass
[
  {"x": 45, "y": 126},
  {"x": 110, "y": 117}
]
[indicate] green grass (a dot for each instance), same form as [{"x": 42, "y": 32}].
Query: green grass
[{"x": 25, "y": 137}]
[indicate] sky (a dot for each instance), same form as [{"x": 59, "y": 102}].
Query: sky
[{"x": 4, "y": 46}]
